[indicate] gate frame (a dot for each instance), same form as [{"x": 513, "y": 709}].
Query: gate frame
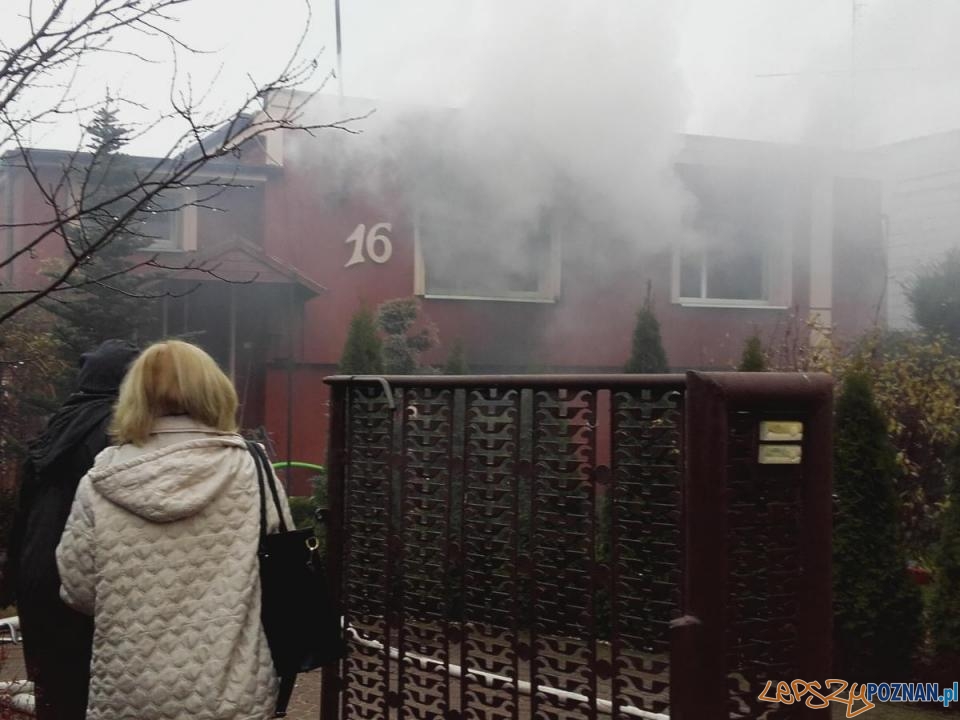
[{"x": 698, "y": 663}]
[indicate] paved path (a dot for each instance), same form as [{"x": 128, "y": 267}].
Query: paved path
[
  {"x": 304, "y": 705},
  {"x": 11, "y": 662}
]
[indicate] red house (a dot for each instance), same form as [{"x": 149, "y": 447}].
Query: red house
[{"x": 786, "y": 234}]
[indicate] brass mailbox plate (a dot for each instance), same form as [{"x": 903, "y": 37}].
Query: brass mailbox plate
[
  {"x": 780, "y": 455},
  {"x": 781, "y": 431}
]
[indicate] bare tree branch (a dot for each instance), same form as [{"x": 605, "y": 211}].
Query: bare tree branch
[{"x": 85, "y": 213}]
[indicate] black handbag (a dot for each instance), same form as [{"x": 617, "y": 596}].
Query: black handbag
[{"x": 299, "y": 616}]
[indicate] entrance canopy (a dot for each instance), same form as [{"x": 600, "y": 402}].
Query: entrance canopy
[{"x": 240, "y": 262}]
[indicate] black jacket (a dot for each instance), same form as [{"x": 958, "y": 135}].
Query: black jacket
[
  {"x": 57, "y": 641},
  {"x": 57, "y": 459}
]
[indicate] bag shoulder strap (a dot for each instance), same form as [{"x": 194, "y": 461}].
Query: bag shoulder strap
[
  {"x": 263, "y": 470},
  {"x": 261, "y": 492}
]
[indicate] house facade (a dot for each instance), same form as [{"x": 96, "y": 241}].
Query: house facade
[
  {"x": 781, "y": 235},
  {"x": 921, "y": 186}
]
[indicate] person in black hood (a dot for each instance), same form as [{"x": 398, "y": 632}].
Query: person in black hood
[{"x": 57, "y": 640}]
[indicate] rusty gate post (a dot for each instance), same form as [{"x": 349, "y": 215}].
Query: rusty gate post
[
  {"x": 805, "y": 397},
  {"x": 697, "y": 673},
  {"x": 336, "y": 456},
  {"x": 738, "y": 481}
]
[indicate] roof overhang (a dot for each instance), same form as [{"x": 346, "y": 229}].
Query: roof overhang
[
  {"x": 216, "y": 168},
  {"x": 238, "y": 262}
]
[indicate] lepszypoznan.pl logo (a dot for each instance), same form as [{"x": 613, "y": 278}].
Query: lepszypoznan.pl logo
[{"x": 857, "y": 697}]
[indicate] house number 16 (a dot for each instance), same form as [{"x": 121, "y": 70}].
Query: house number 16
[{"x": 375, "y": 242}]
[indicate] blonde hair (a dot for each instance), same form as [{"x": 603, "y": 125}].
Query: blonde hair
[{"x": 173, "y": 378}]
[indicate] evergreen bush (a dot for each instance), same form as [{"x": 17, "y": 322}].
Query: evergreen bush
[
  {"x": 301, "y": 509},
  {"x": 647, "y": 354},
  {"x": 934, "y": 297},
  {"x": 362, "y": 352},
  {"x": 945, "y": 602},
  {"x": 401, "y": 348},
  {"x": 876, "y": 606},
  {"x": 753, "y": 358}
]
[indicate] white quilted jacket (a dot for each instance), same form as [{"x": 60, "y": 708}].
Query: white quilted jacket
[{"x": 161, "y": 548}]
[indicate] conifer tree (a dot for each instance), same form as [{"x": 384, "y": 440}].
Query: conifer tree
[
  {"x": 647, "y": 354},
  {"x": 753, "y": 358},
  {"x": 876, "y": 606},
  {"x": 362, "y": 352},
  {"x": 934, "y": 297},
  {"x": 105, "y": 299}
]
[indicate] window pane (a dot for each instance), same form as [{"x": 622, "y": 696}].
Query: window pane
[
  {"x": 736, "y": 273},
  {"x": 159, "y": 225},
  {"x": 157, "y": 228},
  {"x": 530, "y": 261},
  {"x": 691, "y": 263},
  {"x": 739, "y": 220},
  {"x": 480, "y": 260}
]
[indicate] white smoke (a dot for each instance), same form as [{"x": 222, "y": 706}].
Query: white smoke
[
  {"x": 494, "y": 111},
  {"x": 815, "y": 72}
]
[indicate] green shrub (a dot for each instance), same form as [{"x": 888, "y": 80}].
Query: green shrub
[
  {"x": 402, "y": 347},
  {"x": 934, "y": 296},
  {"x": 302, "y": 510},
  {"x": 647, "y": 354},
  {"x": 945, "y": 603},
  {"x": 753, "y": 358},
  {"x": 362, "y": 352},
  {"x": 876, "y": 607}
]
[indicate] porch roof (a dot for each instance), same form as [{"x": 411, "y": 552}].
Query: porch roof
[{"x": 238, "y": 261}]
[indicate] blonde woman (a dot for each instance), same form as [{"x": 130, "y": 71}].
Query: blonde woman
[{"x": 161, "y": 549}]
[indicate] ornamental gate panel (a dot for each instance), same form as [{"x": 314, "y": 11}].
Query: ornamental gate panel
[{"x": 566, "y": 547}]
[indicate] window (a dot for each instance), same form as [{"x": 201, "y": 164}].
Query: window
[
  {"x": 738, "y": 249},
  {"x": 725, "y": 267},
  {"x": 165, "y": 223},
  {"x": 170, "y": 222},
  {"x": 470, "y": 256}
]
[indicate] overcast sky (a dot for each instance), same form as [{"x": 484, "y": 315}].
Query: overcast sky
[{"x": 761, "y": 69}]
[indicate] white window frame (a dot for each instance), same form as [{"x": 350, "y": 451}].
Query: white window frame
[
  {"x": 549, "y": 276},
  {"x": 183, "y": 226},
  {"x": 183, "y": 223},
  {"x": 777, "y": 278}
]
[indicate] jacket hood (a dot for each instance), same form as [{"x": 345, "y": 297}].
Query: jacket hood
[
  {"x": 88, "y": 408},
  {"x": 174, "y": 482},
  {"x": 102, "y": 369}
]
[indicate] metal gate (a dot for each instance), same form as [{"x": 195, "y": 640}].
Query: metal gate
[{"x": 624, "y": 546}]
